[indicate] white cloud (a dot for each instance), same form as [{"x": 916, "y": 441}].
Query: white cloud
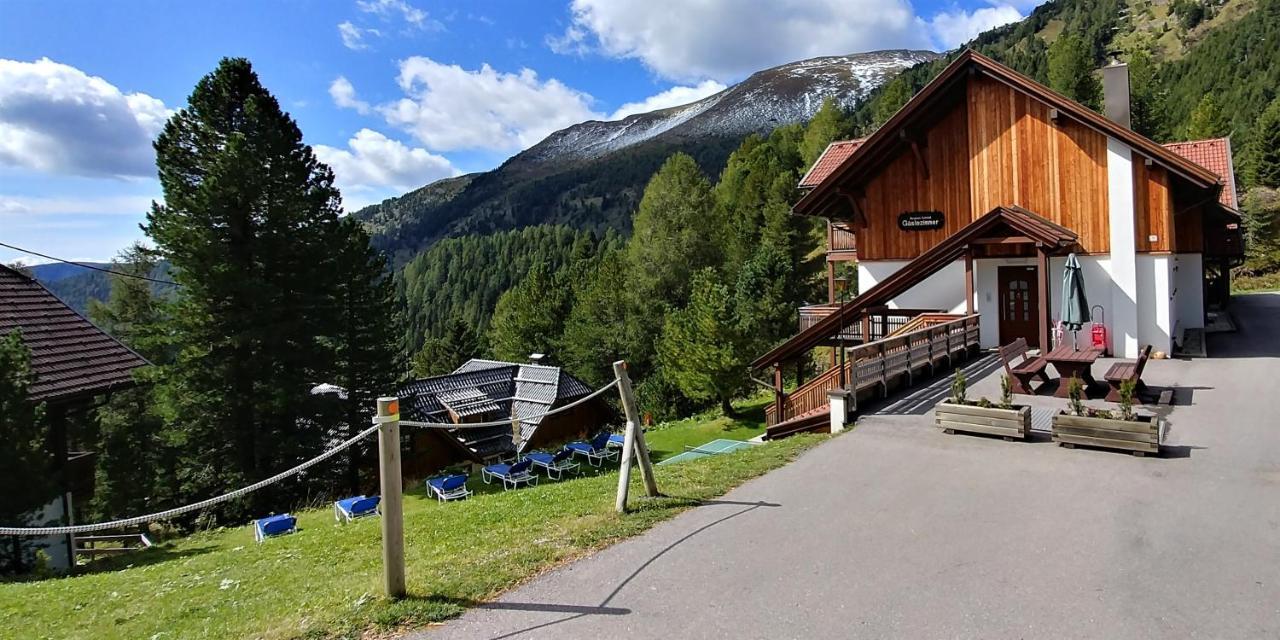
[
  {"x": 374, "y": 163},
  {"x": 954, "y": 28},
  {"x": 409, "y": 13},
  {"x": 353, "y": 36},
  {"x": 27, "y": 206},
  {"x": 727, "y": 39},
  {"x": 57, "y": 119},
  {"x": 449, "y": 108},
  {"x": 344, "y": 95},
  {"x": 673, "y": 97}
]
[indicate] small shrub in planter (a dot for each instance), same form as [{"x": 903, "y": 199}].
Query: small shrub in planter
[
  {"x": 1005, "y": 419},
  {"x": 1121, "y": 429}
]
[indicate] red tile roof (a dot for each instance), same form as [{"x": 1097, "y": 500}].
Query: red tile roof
[
  {"x": 71, "y": 357},
  {"x": 1214, "y": 155},
  {"x": 835, "y": 153}
]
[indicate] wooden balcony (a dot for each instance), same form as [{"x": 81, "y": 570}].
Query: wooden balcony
[
  {"x": 842, "y": 243},
  {"x": 883, "y": 322}
]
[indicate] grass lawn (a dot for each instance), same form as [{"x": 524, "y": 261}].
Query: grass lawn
[{"x": 324, "y": 581}]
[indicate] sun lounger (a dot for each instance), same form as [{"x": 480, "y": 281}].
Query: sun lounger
[
  {"x": 446, "y": 488},
  {"x": 348, "y": 509},
  {"x": 596, "y": 451},
  {"x": 264, "y": 528},
  {"x": 511, "y": 475},
  {"x": 554, "y": 464},
  {"x": 617, "y": 440}
]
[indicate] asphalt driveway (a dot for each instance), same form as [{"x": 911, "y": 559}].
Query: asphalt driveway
[{"x": 897, "y": 530}]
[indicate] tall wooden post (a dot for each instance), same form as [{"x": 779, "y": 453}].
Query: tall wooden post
[
  {"x": 779, "y": 397},
  {"x": 633, "y": 442},
  {"x": 968, "y": 281},
  {"x": 392, "y": 497},
  {"x": 1042, "y": 286}
]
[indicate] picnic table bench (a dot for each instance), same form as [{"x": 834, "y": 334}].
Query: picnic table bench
[
  {"x": 1122, "y": 372},
  {"x": 1028, "y": 369},
  {"x": 1073, "y": 363}
]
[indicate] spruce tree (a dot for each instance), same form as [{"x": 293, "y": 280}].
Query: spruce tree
[
  {"x": 701, "y": 347},
  {"x": 134, "y": 464},
  {"x": 1207, "y": 120},
  {"x": 248, "y": 223},
  {"x": 1266, "y": 157},
  {"x": 529, "y": 318},
  {"x": 24, "y": 459},
  {"x": 675, "y": 234},
  {"x": 1071, "y": 71},
  {"x": 895, "y": 95},
  {"x": 595, "y": 333},
  {"x": 442, "y": 355},
  {"x": 1147, "y": 98}
]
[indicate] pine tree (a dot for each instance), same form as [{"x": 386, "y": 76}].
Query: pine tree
[
  {"x": 1147, "y": 98},
  {"x": 1207, "y": 120},
  {"x": 248, "y": 223},
  {"x": 446, "y": 353},
  {"x": 24, "y": 459},
  {"x": 1266, "y": 157},
  {"x": 701, "y": 347},
  {"x": 529, "y": 318},
  {"x": 829, "y": 124},
  {"x": 1071, "y": 70}
]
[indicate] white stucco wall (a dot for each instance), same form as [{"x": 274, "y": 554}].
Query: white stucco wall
[
  {"x": 1155, "y": 301},
  {"x": 943, "y": 291},
  {"x": 1188, "y": 296},
  {"x": 1124, "y": 323}
]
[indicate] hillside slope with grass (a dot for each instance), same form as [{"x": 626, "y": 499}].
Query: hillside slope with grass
[{"x": 324, "y": 581}]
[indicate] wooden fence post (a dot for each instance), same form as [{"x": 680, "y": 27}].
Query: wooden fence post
[
  {"x": 633, "y": 441},
  {"x": 392, "y": 497}
]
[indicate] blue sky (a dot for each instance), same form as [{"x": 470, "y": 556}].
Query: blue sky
[{"x": 392, "y": 93}]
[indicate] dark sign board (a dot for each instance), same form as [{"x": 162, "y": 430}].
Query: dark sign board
[{"x": 920, "y": 220}]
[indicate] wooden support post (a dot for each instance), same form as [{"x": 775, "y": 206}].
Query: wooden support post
[
  {"x": 392, "y": 497},
  {"x": 1042, "y": 284},
  {"x": 831, "y": 282},
  {"x": 866, "y": 328},
  {"x": 779, "y": 397},
  {"x": 968, "y": 281},
  {"x": 633, "y": 441}
]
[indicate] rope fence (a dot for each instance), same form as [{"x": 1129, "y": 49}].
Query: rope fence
[{"x": 170, "y": 513}]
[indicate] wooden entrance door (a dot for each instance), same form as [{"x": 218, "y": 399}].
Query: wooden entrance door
[{"x": 1019, "y": 305}]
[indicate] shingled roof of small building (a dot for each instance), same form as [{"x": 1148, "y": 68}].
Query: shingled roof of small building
[
  {"x": 1213, "y": 154},
  {"x": 523, "y": 391},
  {"x": 71, "y": 357}
]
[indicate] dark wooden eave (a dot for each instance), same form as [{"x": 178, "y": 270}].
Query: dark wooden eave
[
  {"x": 887, "y": 140},
  {"x": 72, "y": 359},
  {"x": 1001, "y": 222}
]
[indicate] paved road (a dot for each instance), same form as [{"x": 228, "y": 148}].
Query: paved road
[{"x": 897, "y": 530}]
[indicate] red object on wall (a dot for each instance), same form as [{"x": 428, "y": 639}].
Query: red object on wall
[{"x": 1098, "y": 333}]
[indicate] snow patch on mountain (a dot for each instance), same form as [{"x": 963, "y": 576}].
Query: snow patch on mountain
[{"x": 766, "y": 100}]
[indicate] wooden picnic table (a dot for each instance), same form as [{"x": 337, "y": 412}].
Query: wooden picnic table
[{"x": 1072, "y": 363}]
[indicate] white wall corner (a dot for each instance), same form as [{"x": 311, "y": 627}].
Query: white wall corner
[
  {"x": 1123, "y": 314},
  {"x": 840, "y": 401}
]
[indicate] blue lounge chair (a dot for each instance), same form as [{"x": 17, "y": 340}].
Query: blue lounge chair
[
  {"x": 446, "y": 488},
  {"x": 348, "y": 509},
  {"x": 511, "y": 475},
  {"x": 596, "y": 451},
  {"x": 617, "y": 440},
  {"x": 553, "y": 464},
  {"x": 264, "y": 528}
]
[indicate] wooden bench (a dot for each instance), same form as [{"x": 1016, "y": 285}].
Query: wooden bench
[
  {"x": 1022, "y": 373},
  {"x": 1122, "y": 372}
]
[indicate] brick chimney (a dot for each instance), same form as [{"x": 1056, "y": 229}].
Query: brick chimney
[{"x": 1115, "y": 93}]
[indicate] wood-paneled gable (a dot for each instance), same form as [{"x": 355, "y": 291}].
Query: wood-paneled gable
[
  {"x": 902, "y": 185},
  {"x": 1153, "y": 208}
]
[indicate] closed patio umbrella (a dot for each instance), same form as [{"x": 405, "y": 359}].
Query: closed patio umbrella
[{"x": 1075, "y": 305}]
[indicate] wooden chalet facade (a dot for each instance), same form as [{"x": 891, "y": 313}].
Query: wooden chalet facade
[
  {"x": 75, "y": 364},
  {"x": 968, "y": 200}
]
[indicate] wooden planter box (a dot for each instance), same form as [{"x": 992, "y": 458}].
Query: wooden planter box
[
  {"x": 1141, "y": 436},
  {"x": 1010, "y": 423}
]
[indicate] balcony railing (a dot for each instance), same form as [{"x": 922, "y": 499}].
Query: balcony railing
[
  {"x": 840, "y": 238},
  {"x": 883, "y": 321}
]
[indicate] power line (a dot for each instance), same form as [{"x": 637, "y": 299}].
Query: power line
[{"x": 89, "y": 266}]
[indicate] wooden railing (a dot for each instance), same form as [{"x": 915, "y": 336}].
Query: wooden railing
[
  {"x": 883, "y": 321},
  {"x": 881, "y": 361},
  {"x": 840, "y": 238}
]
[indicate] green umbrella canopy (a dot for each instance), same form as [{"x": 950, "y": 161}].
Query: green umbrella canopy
[{"x": 1075, "y": 305}]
